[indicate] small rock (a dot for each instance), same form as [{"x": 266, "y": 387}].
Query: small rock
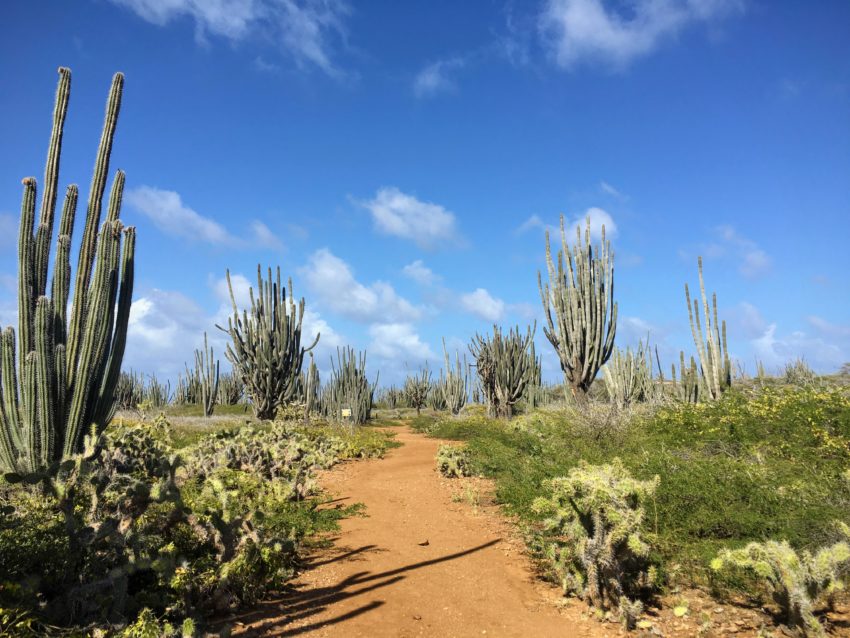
[
  {"x": 417, "y": 617},
  {"x": 424, "y": 543},
  {"x": 718, "y": 610}
]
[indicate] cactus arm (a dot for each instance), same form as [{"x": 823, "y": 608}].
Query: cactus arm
[{"x": 62, "y": 264}]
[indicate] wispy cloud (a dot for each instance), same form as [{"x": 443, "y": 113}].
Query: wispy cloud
[
  {"x": 307, "y": 30},
  {"x": 402, "y": 215},
  {"x": 171, "y": 216},
  {"x": 753, "y": 262},
  {"x": 598, "y": 218},
  {"x": 333, "y": 285},
  {"x": 578, "y": 31},
  {"x": 436, "y": 77}
]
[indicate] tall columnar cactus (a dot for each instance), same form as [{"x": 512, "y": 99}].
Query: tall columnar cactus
[
  {"x": 505, "y": 366},
  {"x": 265, "y": 347},
  {"x": 60, "y": 383},
  {"x": 311, "y": 384},
  {"x": 348, "y": 396},
  {"x": 207, "y": 374},
  {"x": 454, "y": 384},
  {"x": 416, "y": 388},
  {"x": 230, "y": 389},
  {"x": 628, "y": 376},
  {"x": 688, "y": 385},
  {"x": 581, "y": 314},
  {"x": 716, "y": 370}
]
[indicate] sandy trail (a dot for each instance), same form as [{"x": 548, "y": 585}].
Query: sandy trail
[{"x": 418, "y": 564}]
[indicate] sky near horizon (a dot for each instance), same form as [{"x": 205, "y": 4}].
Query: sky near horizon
[{"x": 401, "y": 161}]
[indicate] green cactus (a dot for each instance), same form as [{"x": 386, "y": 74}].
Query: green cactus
[
  {"x": 688, "y": 385},
  {"x": 206, "y": 374},
  {"x": 594, "y": 536},
  {"x": 506, "y": 365},
  {"x": 230, "y": 389},
  {"x": 796, "y": 580},
  {"x": 130, "y": 390},
  {"x": 61, "y": 381},
  {"x": 348, "y": 396},
  {"x": 454, "y": 384},
  {"x": 715, "y": 367},
  {"x": 416, "y": 389},
  {"x": 265, "y": 347},
  {"x": 453, "y": 461},
  {"x": 157, "y": 393},
  {"x": 580, "y": 295},
  {"x": 628, "y": 376}
]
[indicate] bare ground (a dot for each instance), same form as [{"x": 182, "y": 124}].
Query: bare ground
[{"x": 434, "y": 557}]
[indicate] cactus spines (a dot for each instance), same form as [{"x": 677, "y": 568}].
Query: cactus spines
[
  {"x": 715, "y": 367},
  {"x": 454, "y": 384},
  {"x": 581, "y": 314},
  {"x": 207, "y": 375},
  {"x": 265, "y": 347},
  {"x": 61, "y": 381},
  {"x": 506, "y": 365}
]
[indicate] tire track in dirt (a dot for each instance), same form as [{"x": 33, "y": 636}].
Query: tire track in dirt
[{"x": 417, "y": 564}]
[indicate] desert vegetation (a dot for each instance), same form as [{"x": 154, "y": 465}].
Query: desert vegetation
[{"x": 119, "y": 518}]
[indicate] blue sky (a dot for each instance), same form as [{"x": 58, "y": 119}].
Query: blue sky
[{"x": 400, "y": 161}]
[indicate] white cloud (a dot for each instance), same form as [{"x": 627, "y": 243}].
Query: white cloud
[
  {"x": 598, "y": 218},
  {"x": 167, "y": 211},
  {"x": 398, "y": 342},
  {"x": 420, "y": 273},
  {"x": 434, "y": 78},
  {"x": 8, "y": 230},
  {"x": 332, "y": 283},
  {"x": 304, "y": 29},
  {"x": 532, "y": 222},
  {"x": 753, "y": 261},
  {"x": 170, "y": 215},
  {"x": 482, "y": 304},
  {"x": 396, "y": 213},
  {"x": 576, "y": 31}
]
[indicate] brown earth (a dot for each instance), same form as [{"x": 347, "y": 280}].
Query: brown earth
[{"x": 435, "y": 557}]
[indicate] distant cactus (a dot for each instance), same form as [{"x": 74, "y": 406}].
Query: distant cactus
[
  {"x": 60, "y": 384},
  {"x": 505, "y": 366},
  {"x": 688, "y": 385},
  {"x": 715, "y": 367},
  {"x": 628, "y": 376},
  {"x": 348, "y": 396},
  {"x": 207, "y": 375},
  {"x": 416, "y": 389},
  {"x": 230, "y": 389},
  {"x": 156, "y": 393},
  {"x": 595, "y": 544},
  {"x": 265, "y": 347},
  {"x": 796, "y": 580},
  {"x": 581, "y": 314},
  {"x": 130, "y": 390},
  {"x": 454, "y": 385}
]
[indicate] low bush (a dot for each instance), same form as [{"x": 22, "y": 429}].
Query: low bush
[{"x": 130, "y": 526}]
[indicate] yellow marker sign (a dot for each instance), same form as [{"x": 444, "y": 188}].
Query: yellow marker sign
[{"x": 346, "y": 412}]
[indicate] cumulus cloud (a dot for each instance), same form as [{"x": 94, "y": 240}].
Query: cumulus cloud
[
  {"x": 435, "y": 78},
  {"x": 482, "y": 304},
  {"x": 333, "y": 285},
  {"x": 420, "y": 273},
  {"x": 307, "y": 30},
  {"x": 598, "y": 218},
  {"x": 398, "y": 342},
  {"x": 171, "y": 216},
  {"x": 401, "y": 215},
  {"x": 578, "y": 31}
]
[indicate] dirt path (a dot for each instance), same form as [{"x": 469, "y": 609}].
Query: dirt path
[{"x": 418, "y": 564}]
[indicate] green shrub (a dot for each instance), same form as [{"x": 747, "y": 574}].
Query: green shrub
[
  {"x": 594, "y": 536},
  {"x": 453, "y": 461}
]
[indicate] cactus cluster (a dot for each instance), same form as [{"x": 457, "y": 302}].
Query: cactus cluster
[
  {"x": 416, "y": 389},
  {"x": 231, "y": 390},
  {"x": 594, "y": 520},
  {"x": 265, "y": 348},
  {"x": 207, "y": 375},
  {"x": 506, "y": 365},
  {"x": 348, "y": 396},
  {"x": 454, "y": 384},
  {"x": 628, "y": 376},
  {"x": 715, "y": 368},
  {"x": 453, "y": 461},
  {"x": 581, "y": 314},
  {"x": 58, "y": 381}
]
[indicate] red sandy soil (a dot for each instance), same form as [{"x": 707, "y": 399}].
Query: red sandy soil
[{"x": 429, "y": 559}]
